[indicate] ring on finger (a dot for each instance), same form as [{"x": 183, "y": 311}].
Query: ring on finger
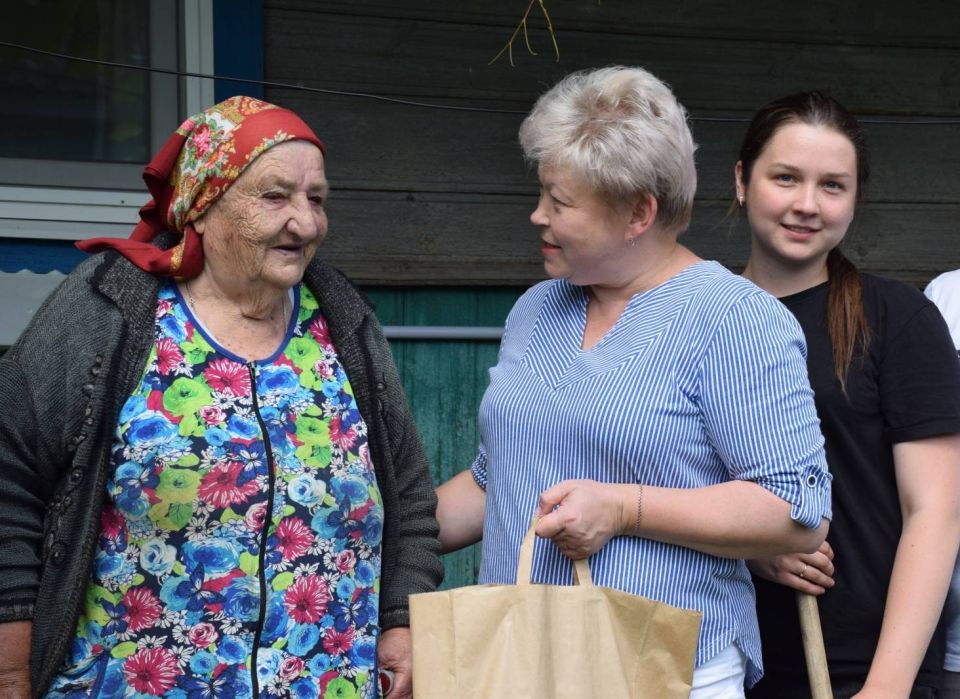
[{"x": 803, "y": 571}]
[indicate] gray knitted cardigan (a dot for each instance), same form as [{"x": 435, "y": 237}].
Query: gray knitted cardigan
[{"x": 62, "y": 385}]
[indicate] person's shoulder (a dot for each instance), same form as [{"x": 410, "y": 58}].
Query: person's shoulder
[
  {"x": 944, "y": 285},
  {"x": 720, "y": 303},
  {"x": 546, "y": 288},
  {"x": 944, "y": 292},
  {"x": 79, "y": 287},
  {"x": 891, "y": 295},
  {"x": 332, "y": 287},
  {"x": 80, "y": 277},
  {"x": 897, "y": 311},
  {"x": 532, "y": 299},
  {"x": 77, "y": 312},
  {"x": 320, "y": 273},
  {"x": 529, "y": 308},
  {"x": 712, "y": 277},
  {"x": 716, "y": 290}
]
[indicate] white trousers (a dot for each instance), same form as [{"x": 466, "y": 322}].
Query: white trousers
[{"x": 722, "y": 676}]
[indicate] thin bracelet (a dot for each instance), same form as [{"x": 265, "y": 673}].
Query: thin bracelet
[{"x": 636, "y": 526}]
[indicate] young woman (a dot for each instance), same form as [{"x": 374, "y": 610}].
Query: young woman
[{"x": 887, "y": 388}]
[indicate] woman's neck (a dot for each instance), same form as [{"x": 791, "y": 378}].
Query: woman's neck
[
  {"x": 608, "y": 301},
  {"x": 251, "y": 325},
  {"x": 247, "y": 301},
  {"x": 653, "y": 270},
  {"x": 784, "y": 280}
]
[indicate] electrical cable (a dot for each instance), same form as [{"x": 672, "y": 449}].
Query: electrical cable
[{"x": 925, "y": 121}]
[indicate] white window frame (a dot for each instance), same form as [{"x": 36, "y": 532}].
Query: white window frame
[{"x": 34, "y": 205}]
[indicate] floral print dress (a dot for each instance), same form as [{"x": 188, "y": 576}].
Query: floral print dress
[{"x": 239, "y": 551}]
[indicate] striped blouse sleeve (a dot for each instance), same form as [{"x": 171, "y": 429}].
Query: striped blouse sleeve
[
  {"x": 479, "y": 468},
  {"x": 758, "y": 406}
]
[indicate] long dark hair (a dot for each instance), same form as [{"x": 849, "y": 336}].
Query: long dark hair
[{"x": 846, "y": 318}]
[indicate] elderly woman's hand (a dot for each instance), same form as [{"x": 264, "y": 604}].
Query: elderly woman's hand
[
  {"x": 15, "y": 660},
  {"x": 807, "y": 572},
  {"x": 15, "y": 684},
  {"x": 580, "y": 516},
  {"x": 395, "y": 653}
]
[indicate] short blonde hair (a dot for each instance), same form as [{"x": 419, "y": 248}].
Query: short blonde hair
[{"x": 622, "y": 132}]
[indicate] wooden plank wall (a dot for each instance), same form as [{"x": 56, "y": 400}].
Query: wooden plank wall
[
  {"x": 428, "y": 197},
  {"x": 434, "y": 196}
]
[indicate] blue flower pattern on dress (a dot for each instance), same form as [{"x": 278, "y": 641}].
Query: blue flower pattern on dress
[{"x": 175, "y": 607}]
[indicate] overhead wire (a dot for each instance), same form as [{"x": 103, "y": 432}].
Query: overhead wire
[{"x": 926, "y": 121}]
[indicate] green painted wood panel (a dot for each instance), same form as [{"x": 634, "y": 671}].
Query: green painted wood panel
[{"x": 445, "y": 380}]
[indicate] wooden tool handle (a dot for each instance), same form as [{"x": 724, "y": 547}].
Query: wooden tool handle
[{"x": 813, "y": 648}]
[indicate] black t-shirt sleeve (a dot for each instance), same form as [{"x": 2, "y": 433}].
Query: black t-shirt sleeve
[{"x": 920, "y": 378}]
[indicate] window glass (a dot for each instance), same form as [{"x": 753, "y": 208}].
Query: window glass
[{"x": 58, "y": 109}]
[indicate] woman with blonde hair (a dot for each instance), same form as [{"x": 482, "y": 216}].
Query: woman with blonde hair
[{"x": 652, "y": 406}]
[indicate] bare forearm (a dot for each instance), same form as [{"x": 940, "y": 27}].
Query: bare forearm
[
  {"x": 460, "y": 506},
  {"x": 730, "y": 520},
  {"x": 15, "y": 659},
  {"x": 737, "y": 519},
  {"x": 918, "y": 586},
  {"x": 928, "y": 481}
]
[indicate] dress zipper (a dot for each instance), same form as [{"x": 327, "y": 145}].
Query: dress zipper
[{"x": 261, "y": 572}]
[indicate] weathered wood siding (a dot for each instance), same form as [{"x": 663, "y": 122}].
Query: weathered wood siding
[
  {"x": 433, "y": 196},
  {"x": 426, "y": 196}
]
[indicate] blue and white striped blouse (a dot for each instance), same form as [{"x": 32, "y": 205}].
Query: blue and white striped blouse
[{"x": 702, "y": 380}]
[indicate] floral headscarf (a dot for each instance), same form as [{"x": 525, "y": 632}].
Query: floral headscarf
[{"x": 193, "y": 169}]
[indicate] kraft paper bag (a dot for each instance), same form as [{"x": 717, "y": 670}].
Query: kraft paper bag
[{"x": 535, "y": 641}]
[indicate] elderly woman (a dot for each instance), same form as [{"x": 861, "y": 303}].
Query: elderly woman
[
  {"x": 653, "y": 406},
  {"x": 211, "y": 483}
]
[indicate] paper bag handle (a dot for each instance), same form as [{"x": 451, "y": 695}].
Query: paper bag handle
[{"x": 581, "y": 568}]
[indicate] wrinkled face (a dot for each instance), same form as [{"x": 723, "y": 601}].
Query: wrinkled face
[
  {"x": 267, "y": 226},
  {"x": 802, "y": 192},
  {"x": 582, "y": 238}
]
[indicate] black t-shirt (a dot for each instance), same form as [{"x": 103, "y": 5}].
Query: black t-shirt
[{"x": 906, "y": 387}]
